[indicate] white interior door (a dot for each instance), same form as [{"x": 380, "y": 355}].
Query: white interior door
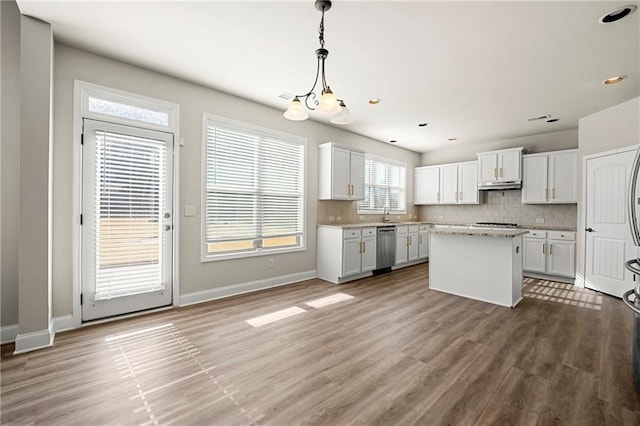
[
  {"x": 127, "y": 228},
  {"x": 607, "y": 235}
]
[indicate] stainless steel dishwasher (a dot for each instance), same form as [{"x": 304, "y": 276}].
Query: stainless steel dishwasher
[{"x": 386, "y": 248}]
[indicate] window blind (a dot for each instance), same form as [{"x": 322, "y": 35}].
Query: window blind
[
  {"x": 129, "y": 193},
  {"x": 254, "y": 190},
  {"x": 384, "y": 186}
]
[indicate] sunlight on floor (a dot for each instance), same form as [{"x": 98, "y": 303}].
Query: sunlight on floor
[
  {"x": 567, "y": 294},
  {"x": 167, "y": 375},
  {"x": 329, "y": 300},
  {"x": 275, "y": 316}
]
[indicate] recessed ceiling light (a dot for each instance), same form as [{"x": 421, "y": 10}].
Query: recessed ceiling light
[
  {"x": 617, "y": 14},
  {"x": 614, "y": 80},
  {"x": 393, "y": 141},
  {"x": 452, "y": 139},
  {"x": 422, "y": 124},
  {"x": 552, "y": 120},
  {"x": 375, "y": 101}
]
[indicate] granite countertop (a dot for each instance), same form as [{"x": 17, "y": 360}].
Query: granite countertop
[
  {"x": 369, "y": 224},
  {"x": 504, "y": 233},
  {"x": 548, "y": 228}
]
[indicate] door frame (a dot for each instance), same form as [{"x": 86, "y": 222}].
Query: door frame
[
  {"x": 580, "y": 280},
  {"x": 80, "y": 91}
]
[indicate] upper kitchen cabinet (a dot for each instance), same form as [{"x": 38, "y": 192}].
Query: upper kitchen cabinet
[
  {"x": 550, "y": 178},
  {"x": 340, "y": 172},
  {"x": 500, "y": 166},
  {"x": 426, "y": 185},
  {"x": 447, "y": 184}
]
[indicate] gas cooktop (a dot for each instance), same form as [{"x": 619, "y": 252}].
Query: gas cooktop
[{"x": 495, "y": 225}]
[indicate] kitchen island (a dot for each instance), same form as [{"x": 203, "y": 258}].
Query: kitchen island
[{"x": 481, "y": 264}]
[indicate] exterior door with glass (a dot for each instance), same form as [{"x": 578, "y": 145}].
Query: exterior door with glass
[{"x": 127, "y": 219}]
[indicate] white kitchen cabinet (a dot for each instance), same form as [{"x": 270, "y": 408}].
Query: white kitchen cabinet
[
  {"x": 550, "y": 253},
  {"x": 423, "y": 242},
  {"x": 340, "y": 172},
  {"x": 345, "y": 254},
  {"x": 455, "y": 183},
  {"x": 407, "y": 241},
  {"x": 550, "y": 178},
  {"x": 426, "y": 188},
  {"x": 500, "y": 166}
]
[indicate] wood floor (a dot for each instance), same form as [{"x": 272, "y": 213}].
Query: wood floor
[{"x": 396, "y": 353}]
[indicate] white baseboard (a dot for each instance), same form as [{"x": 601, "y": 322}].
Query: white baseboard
[
  {"x": 33, "y": 341},
  {"x": 580, "y": 281},
  {"x": 63, "y": 323},
  {"x": 248, "y": 287},
  {"x": 8, "y": 333}
]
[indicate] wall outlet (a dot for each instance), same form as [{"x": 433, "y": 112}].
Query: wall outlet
[
  {"x": 272, "y": 262},
  {"x": 332, "y": 218},
  {"x": 339, "y": 218},
  {"x": 539, "y": 219},
  {"x": 189, "y": 211}
]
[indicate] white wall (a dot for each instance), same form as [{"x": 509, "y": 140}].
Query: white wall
[
  {"x": 552, "y": 141},
  {"x": 615, "y": 127},
  {"x": 72, "y": 63},
  {"x": 10, "y": 160}
]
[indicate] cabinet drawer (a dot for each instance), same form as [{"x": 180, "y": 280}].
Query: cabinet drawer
[
  {"x": 367, "y": 232},
  {"x": 351, "y": 233},
  {"x": 401, "y": 230},
  {"x": 561, "y": 235},
  {"x": 413, "y": 228},
  {"x": 536, "y": 233},
  {"x": 424, "y": 227}
]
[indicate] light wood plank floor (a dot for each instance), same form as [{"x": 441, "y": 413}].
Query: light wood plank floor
[{"x": 396, "y": 353}]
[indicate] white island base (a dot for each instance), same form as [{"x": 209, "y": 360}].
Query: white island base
[{"x": 481, "y": 267}]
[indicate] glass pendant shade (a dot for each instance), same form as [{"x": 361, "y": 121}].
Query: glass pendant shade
[
  {"x": 296, "y": 111},
  {"x": 329, "y": 103},
  {"x": 343, "y": 117}
]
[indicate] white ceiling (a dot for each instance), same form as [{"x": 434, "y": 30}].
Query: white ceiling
[{"x": 472, "y": 70}]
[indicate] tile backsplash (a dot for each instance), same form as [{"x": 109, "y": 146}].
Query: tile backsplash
[
  {"x": 345, "y": 212},
  {"x": 503, "y": 206}
]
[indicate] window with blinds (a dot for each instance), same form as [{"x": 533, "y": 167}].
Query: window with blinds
[
  {"x": 384, "y": 186},
  {"x": 253, "y": 190},
  {"x": 129, "y": 196}
]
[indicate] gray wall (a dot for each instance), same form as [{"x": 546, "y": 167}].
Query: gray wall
[
  {"x": 72, "y": 63},
  {"x": 10, "y": 159},
  {"x": 553, "y": 141},
  {"x": 615, "y": 127}
]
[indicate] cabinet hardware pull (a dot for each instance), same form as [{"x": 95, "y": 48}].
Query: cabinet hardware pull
[
  {"x": 543, "y": 248},
  {"x": 420, "y": 239},
  {"x": 553, "y": 193},
  {"x": 495, "y": 172},
  {"x": 364, "y": 246},
  {"x": 407, "y": 241},
  {"x": 550, "y": 248},
  {"x": 545, "y": 195},
  {"x": 500, "y": 171}
]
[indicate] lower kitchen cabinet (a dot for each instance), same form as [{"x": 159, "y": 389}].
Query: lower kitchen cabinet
[
  {"x": 550, "y": 253},
  {"x": 407, "y": 241},
  {"x": 423, "y": 242},
  {"x": 345, "y": 254}
]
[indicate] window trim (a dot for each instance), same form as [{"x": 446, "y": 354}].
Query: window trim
[
  {"x": 239, "y": 125},
  {"x": 392, "y": 162}
]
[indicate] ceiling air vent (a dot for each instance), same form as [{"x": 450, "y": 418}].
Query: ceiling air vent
[
  {"x": 286, "y": 96},
  {"x": 540, "y": 117}
]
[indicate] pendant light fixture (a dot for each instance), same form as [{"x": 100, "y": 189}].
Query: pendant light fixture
[{"x": 328, "y": 102}]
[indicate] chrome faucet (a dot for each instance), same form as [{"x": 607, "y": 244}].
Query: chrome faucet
[{"x": 385, "y": 214}]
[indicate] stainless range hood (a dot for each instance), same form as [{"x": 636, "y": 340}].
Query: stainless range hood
[{"x": 500, "y": 186}]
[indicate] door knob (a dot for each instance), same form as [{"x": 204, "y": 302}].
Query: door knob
[{"x": 589, "y": 230}]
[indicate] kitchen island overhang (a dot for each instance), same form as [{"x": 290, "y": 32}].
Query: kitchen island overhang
[{"x": 480, "y": 264}]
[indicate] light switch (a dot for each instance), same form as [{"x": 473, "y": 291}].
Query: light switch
[{"x": 189, "y": 211}]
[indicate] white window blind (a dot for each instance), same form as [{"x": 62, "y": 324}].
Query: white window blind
[
  {"x": 254, "y": 189},
  {"x": 129, "y": 193},
  {"x": 384, "y": 186}
]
